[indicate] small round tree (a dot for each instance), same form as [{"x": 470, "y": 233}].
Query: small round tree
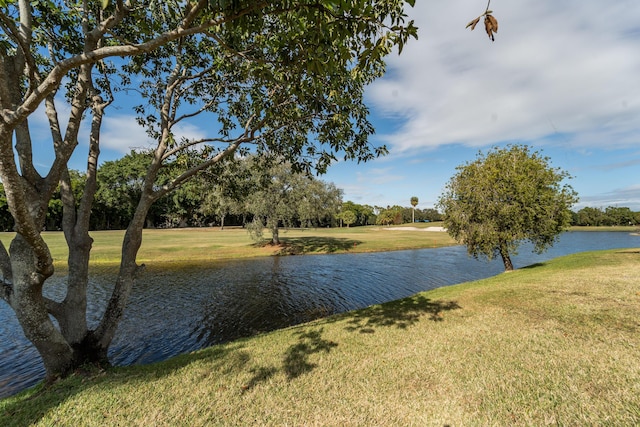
[
  {"x": 506, "y": 197},
  {"x": 348, "y": 217}
]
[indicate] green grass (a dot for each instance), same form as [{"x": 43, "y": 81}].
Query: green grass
[
  {"x": 622, "y": 228},
  {"x": 553, "y": 344},
  {"x": 208, "y": 244}
]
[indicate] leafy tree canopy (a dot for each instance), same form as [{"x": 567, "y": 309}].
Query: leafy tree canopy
[
  {"x": 286, "y": 197},
  {"x": 504, "y": 197}
]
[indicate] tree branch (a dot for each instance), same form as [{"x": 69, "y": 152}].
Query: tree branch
[
  {"x": 52, "y": 81},
  {"x": 22, "y": 37},
  {"x": 84, "y": 210},
  {"x": 177, "y": 182},
  {"x": 54, "y": 308}
]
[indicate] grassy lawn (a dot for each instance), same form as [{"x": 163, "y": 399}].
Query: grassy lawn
[
  {"x": 207, "y": 244},
  {"x": 622, "y": 228},
  {"x": 552, "y": 344}
]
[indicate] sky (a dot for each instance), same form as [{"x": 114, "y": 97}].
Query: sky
[{"x": 561, "y": 76}]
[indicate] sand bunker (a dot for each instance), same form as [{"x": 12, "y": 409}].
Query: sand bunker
[{"x": 416, "y": 229}]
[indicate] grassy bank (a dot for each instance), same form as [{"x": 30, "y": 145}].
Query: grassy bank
[
  {"x": 208, "y": 244},
  {"x": 615, "y": 228},
  {"x": 553, "y": 344}
]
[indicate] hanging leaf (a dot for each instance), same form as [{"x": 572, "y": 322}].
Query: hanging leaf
[
  {"x": 494, "y": 23},
  {"x": 473, "y": 23},
  {"x": 491, "y": 26},
  {"x": 490, "y": 23}
]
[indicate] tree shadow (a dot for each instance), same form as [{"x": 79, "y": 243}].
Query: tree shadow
[
  {"x": 400, "y": 314},
  {"x": 31, "y": 408},
  {"x": 296, "y": 361},
  {"x": 301, "y": 245},
  {"x": 532, "y": 266},
  {"x": 260, "y": 374},
  {"x": 227, "y": 359}
]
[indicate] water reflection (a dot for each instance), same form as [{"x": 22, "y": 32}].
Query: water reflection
[{"x": 177, "y": 310}]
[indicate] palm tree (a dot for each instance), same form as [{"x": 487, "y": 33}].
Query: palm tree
[{"x": 414, "y": 203}]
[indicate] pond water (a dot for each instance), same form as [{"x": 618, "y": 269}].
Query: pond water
[{"x": 174, "y": 311}]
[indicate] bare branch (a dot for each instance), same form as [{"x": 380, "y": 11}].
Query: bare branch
[
  {"x": 195, "y": 113},
  {"x": 54, "y": 123},
  {"x": 22, "y": 36}
]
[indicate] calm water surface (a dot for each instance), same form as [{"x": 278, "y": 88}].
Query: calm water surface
[{"x": 177, "y": 311}]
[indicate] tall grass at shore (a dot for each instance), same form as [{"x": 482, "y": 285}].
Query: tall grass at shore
[{"x": 553, "y": 344}]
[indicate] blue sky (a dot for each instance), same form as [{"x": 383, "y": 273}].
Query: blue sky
[{"x": 561, "y": 77}]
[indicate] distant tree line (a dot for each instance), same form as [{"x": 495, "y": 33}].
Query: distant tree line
[
  {"x": 353, "y": 214},
  {"x": 241, "y": 192},
  {"x": 609, "y": 216}
]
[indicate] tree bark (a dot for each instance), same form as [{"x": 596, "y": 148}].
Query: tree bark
[
  {"x": 30, "y": 308},
  {"x": 126, "y": 276},
  {"x": 506, "y": 259}
]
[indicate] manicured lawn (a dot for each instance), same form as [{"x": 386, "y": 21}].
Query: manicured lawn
[
  {"x": 206, "y": 244},
  {"x": 553, "y": 344}
]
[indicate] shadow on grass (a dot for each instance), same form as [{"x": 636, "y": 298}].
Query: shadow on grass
[
  {"x": 312, "y": 244},
  {"x": 400, "y": 314},
  {"x": 532, "y": 266},
  {"x": 296, "y": 360},
  {"x": 230, "y": 359},
  {"x": 40, "y": 400}
]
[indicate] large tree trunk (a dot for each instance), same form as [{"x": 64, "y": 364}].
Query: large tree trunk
[
  {"x": 105, "y": 332},
  {"x": 30, "y": 308}
]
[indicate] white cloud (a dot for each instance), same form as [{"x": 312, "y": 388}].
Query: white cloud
[
  {"x": 379, "y": 176},
  {"x": 122, "y": 133},
  {"x": 556, "y": 67},
  {"x": 623, "y": 197}
]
